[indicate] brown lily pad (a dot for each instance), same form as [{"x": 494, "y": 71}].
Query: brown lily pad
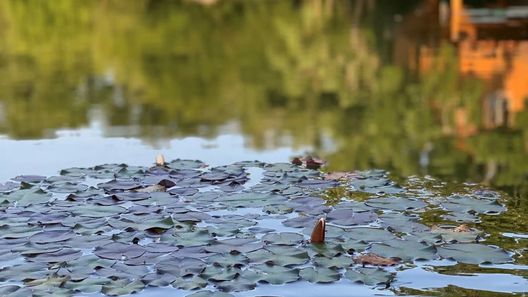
[{"x": 373, "y": 259}]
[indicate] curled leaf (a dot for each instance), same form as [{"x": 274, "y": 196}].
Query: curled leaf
[{"x": 318, "y": 233}]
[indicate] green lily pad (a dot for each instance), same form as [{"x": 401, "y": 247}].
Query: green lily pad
[
  {"x": 6, "y": 290},
  {"x": 277, "y": 209},
  {"x": 229, "y": 260},
  {"x": 407, "y": 250},
  {"x": 279, "y": 255},
  {"x": 27, "y": 197},
  {"x": 185, "y": 164},
  {"x": 218, "y": 274},
  {"x": 252, "y": 200},
  {"x": 88, "y": 285},
  {"x": 366, "y": 234},
  {"x": 336, "y": 262},
  {"x": 473, "y": 253},
  {"x": 24, "y": 272},
  {"x": 192, "y": 283},
  {"x": 275, "y": 274},
  {"x": 398, "y": 222},
  {"x": 181, "y": 266},
  {"x": 328, "y": 250},
  {"x": 122, "y": 287},
  {"x": 67, "y": 187},
  {"x": 119, "y": 251},
  {"x": 51, "y": 236},
  {"x": 196, "y": 238},
  {"x": 97, "y": 211},
  {"x": 369, "y": 276},
  {"x": 350, "y": 217},
  {"x": 462, "y": 204},
  {"x": 319, "y": 275},
  {"x": 63, "y": 255},
  {"x": 396, "y": 203}
]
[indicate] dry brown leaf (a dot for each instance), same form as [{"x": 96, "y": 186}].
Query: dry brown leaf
[
  {"x": 152, "y": 188},
  {"x": 318, "y": 233},
  {"x": 308, "y": 162},
  {"x": 297, "y": 161},
  {"x": 462, "y": 228},
  {"x": 338, "y": 175},
  {"x": 373, "y": 259},
  {"x": 313, "y": 163}
]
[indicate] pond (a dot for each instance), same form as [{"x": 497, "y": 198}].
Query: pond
[{"x": 430, "y": 92}]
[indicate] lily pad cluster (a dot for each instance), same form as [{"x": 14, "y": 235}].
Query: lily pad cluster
[{"x": 118, "y": 229}]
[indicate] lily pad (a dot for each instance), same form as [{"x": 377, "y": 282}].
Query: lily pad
[
  {"x": 275, "y": 274},
  {"x": 350, "y": 217},
  {"x": 280, "y": 256},
  {"x": 284, "y": 238},
  {"x": 192, "y": 283},
  {"x": 473, "y": 253},
  {"x": 62, "y": 255},
  {"x": 319, "y": 275},
  {"x": 51, "y": 236},
  {"x": 406, "y": 250},
  {"x": 122, "y": 287},
  {"x": 119, "y": 251},
  {"x": 396, "y": 203},
  {"x": 370, "y": 276},
  {"x": 463, "y": 204},
  {"x": 336, "y": 262}
]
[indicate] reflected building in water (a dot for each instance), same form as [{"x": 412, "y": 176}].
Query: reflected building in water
[{"x": 491, "y": 43}]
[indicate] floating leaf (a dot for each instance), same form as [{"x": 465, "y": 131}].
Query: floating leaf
[
  {"x": 336, "y": 262},
  {"x": 62, "y": 255},
  {"x": 463, "y": 204},
  {"x": 275, "y": 274},
  {"x": 51, "y": 236},
  {"x": 193, "y": 283},
  {"x": 284, "y": 238},
  {"x": 473, "y": 253},
  {"x": 319, "y": 275},
  {"x": 350, "y": 217},
  {"x": 88, "y": 285},
  {"x": 370, "y": 276},
  {"x": 6, "y": 290},
  {"x": 26, "y": 197},
  {"x": 235, "y": 259},
  {"x": 396, "y": 203},
  {"x": 122, "y": 287},
  {"x": 406, "y": 250},
  {"x": 218, "y": 274},
  {"x": 181, "y": 266},
  {"x": 279, "y": 255},
  {"x": 119, "y": 251}
]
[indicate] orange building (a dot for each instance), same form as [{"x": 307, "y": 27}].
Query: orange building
[{"x": 491, "y": 42}]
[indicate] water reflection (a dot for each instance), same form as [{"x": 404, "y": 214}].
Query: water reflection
[{"x": 429, "y": 87}]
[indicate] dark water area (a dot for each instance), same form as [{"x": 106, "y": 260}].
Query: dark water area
[{"x": 417, "y": 88}]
